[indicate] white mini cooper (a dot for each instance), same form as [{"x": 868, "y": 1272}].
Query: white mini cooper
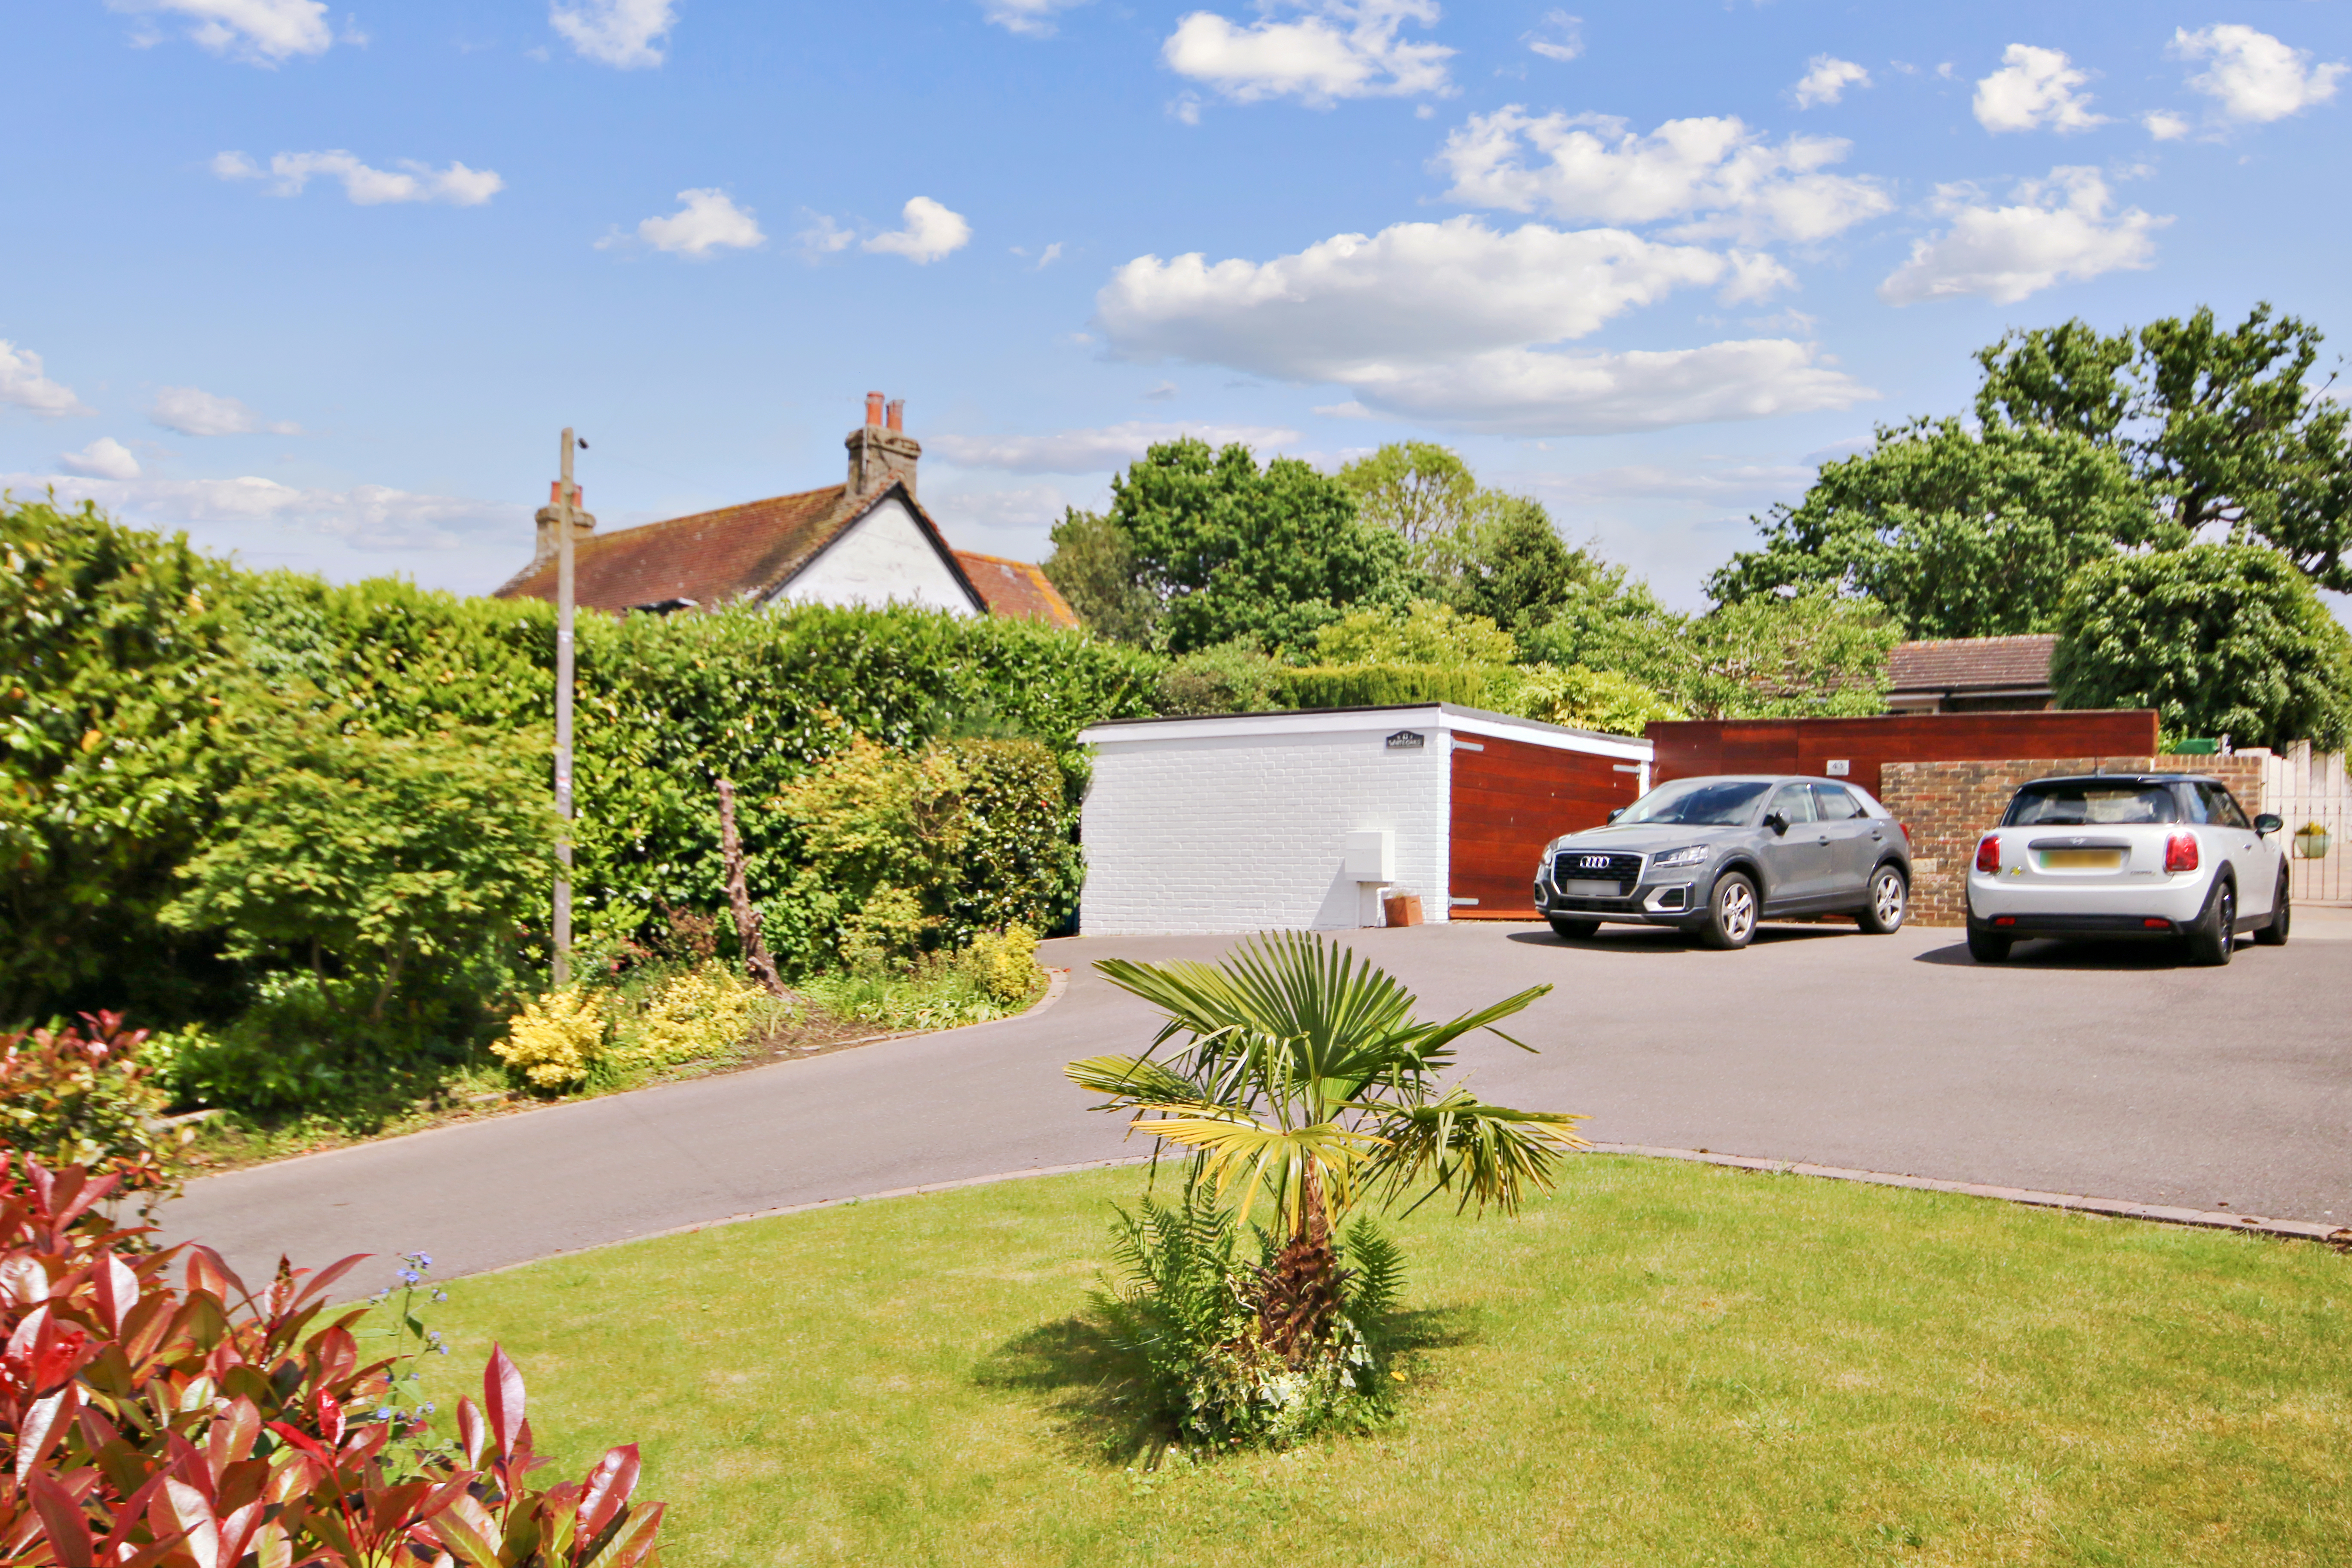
[{"x": 2161, "y": 854}]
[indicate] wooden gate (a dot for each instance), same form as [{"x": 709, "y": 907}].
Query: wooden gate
[
  {"x": 2310, "y": 789},
  {"x": 1509, "y": 799}
]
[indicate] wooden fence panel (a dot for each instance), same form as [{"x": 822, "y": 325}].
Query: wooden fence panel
[
  {"x": 1509, "y": 799},
  {"x": 1690, "y": 748}
]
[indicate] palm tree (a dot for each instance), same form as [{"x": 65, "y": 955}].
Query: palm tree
[{"x": 1305, "y": 1075}]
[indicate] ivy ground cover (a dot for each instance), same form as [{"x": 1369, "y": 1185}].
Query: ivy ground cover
[{"x": 1662, "y": 1364}]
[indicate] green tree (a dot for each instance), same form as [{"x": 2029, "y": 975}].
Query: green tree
[
  {"x": 1233, "y": 550},
  {"x": 1418, "y": 491},
  {"x": 363, "y": 853},
  {"x": 1426, "y": 633},
  {"x": 1959, "y": 534},
  {"x": 2229, "y": 428},
  {"x": 1093, "y": 564},
  {"x": 1513, "y": 568},
  {"x": 2218, "y": 638}
]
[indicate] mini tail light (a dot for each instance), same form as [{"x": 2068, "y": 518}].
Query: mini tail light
[
  {"x": 2157, "y": 925},
  {"x": 1904, "y": 828},
  {"x": 1988, "y": 855},
  {"x": 2181, "y": 852}
]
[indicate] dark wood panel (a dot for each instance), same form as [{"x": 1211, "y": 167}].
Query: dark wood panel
[
  {"x": 1509, "y": 800},
  {"x": 1687, "y": 749}
]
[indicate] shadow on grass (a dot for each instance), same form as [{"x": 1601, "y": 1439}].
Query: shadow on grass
[{"x": 1099, "y": 1395}]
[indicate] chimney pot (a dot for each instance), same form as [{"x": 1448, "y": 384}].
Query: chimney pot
[
  {"x": 898, "y": 413},
  {"x": 874, "y": 409}
]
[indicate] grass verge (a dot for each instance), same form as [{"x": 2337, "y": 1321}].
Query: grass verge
[{"x": 1663, "y": 1364}]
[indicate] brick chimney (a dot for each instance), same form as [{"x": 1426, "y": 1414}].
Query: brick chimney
[
  {"x": 550, "y": 520},
  {"x": 879, "y": 452}
]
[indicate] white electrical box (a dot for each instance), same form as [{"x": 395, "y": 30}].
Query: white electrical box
[{"x": 1369, "y": 856}]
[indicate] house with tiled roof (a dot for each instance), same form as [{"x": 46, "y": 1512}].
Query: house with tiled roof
[
  {"x": 866, "y": 541},
  {"x": 1969, "y": 675}
]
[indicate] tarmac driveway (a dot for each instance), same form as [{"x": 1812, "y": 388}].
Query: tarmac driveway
[{"x": 2113, "y": 1073}]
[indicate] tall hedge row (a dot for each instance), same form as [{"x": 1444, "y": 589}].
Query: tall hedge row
[{"x": 134, "y": 662}]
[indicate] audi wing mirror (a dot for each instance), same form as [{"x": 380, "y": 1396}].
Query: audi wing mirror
[
  {"x": 1616, "y": 814},
  {"x": 1776, "y": 822}
]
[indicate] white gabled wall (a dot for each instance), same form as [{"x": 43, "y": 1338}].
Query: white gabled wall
[
  {"x": 883, "y": 558},
  {"x": 1239, "y": 825}
]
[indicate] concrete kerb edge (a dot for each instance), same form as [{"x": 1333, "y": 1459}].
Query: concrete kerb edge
[
  {"x": 2112, "y": 1208},
  {"x": 1058, "y": 982}
]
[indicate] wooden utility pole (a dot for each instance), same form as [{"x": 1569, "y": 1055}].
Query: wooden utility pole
[{"x": 566, "y": 506}]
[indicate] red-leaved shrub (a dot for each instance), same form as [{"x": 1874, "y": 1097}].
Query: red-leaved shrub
[{"x": 150, "y": 1425}]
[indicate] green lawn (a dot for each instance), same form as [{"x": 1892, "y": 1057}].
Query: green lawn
[{"x": 1664, "y": 1363}]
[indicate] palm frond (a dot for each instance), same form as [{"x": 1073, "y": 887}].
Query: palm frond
[
  {"x": 1129, "y": 1079},
  {"x": 1232, "y": 1146},
  {"x": 1486, "y": 1153}
]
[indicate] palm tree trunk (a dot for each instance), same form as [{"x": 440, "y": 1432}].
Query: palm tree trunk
[{"x": 1299, "y": 1291}]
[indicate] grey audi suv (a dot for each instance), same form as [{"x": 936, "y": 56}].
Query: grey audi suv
[{"x": 1714, "y": 856}]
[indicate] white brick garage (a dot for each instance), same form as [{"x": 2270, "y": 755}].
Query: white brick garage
[{"x": 1241, "y": 823}]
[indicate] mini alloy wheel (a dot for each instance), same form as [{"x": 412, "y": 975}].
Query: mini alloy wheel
[
  {"x": 2215, "y": 937},
  {"x": 1730, "y": 912},
  {"x": 1890, "y": 897}
]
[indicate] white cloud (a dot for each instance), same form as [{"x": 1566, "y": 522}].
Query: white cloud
[
  {"x": 193, "y": 412},
  {"x": 1705, "y": 480},
  {"x": 1419, "y": 291},
  {"x": 1526, "y": 392},
  {"x": 367, "y": 517},
  {"x": 1096, "y": 451},
  {"x": 1715, "y": 172},
  {"x": 705, "y": 221},
  {"x": 626, "y": 33},
  {"x": 1565, "y": 40},
  {"x": 263, "y": 32},
  {"x": 1050, "y": 255},
  {"x": 1340, "y": 49},
  {"x": 931, "y": 232},
  {"x": 2035, "y": 90},
  {"x": 2055, "y": 230},
  {"x": 824, "y": 236},
  {"x": 1030, "y": 18},
  {"x": 23, "y": 383},
  {"x": 1448, "y": 322},
  {"x": 104, "y": 458},
  {"x": 1826, "y": 79},
  {"x": 456, "y": 184},
  {"x": 2254, "y": 77},
  {"x": 2164, "y": 126}
]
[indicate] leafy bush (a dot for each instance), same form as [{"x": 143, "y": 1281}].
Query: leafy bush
[
  {"x": 1006, "y": 962},
  {"x": 994, "y": 978},
  {"x": 1581, "y": 699},
  {"x": 692, "y": 1015},
  {"x": 216, "y": 1424},
  {"x": 85, "y": 1097},
  {"x": 1190, "y": 1308},
  {"x": 907, "y": 852},
  {"x": 1426, "y": 633},
  {"x": 556, "y": 1038}
]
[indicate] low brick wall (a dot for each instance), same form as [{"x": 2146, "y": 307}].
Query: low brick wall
[{"x": 1947, "y": 806}]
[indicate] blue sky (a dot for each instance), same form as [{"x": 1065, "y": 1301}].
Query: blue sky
[{"x": 320, "y": 285}]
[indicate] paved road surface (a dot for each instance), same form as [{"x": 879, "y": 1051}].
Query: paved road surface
[{"x": 2109, "y": 1073}]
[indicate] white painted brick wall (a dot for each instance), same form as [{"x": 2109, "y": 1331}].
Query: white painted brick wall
[{"x": 1207, "y": 833}]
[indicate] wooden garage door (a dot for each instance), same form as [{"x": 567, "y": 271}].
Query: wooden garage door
[{"x": 1509, "y": 799}]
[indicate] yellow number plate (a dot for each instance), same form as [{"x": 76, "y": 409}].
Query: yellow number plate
[{"x": 2082, "y": 859}]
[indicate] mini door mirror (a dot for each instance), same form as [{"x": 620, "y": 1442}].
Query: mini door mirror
[
  {"x": 1776, "y": 822},
  {"x": 2269, "y": 822},
  {"x": 1616, "y": 814}
]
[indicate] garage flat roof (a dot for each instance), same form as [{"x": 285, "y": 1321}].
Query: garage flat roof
[{"x": 1446, "y": 716}]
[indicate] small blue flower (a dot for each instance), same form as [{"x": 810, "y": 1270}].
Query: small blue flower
[
  {"x": 410, "y": 1276},
  {"x": 426, "y": 1408},
  {"x": 425, "y": 1260}
]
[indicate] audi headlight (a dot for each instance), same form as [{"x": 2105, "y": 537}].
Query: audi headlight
[{"x": 1693, "y": 855}]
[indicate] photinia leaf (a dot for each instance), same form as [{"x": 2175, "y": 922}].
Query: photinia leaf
[
  {"x": 503, "y": 1398},
  {"x": 609, "y": 1486}
]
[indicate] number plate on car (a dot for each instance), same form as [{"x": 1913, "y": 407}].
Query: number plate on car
[
  {"x": 1589, "y": 890},
  {"x": 2082, "y": 859}
]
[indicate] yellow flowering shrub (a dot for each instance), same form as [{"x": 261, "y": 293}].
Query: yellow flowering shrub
[
  {"x": 1006, "y": 962},
  {"x": 554, "y": 1040},
  {"x": 697, "y": 1014}
]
